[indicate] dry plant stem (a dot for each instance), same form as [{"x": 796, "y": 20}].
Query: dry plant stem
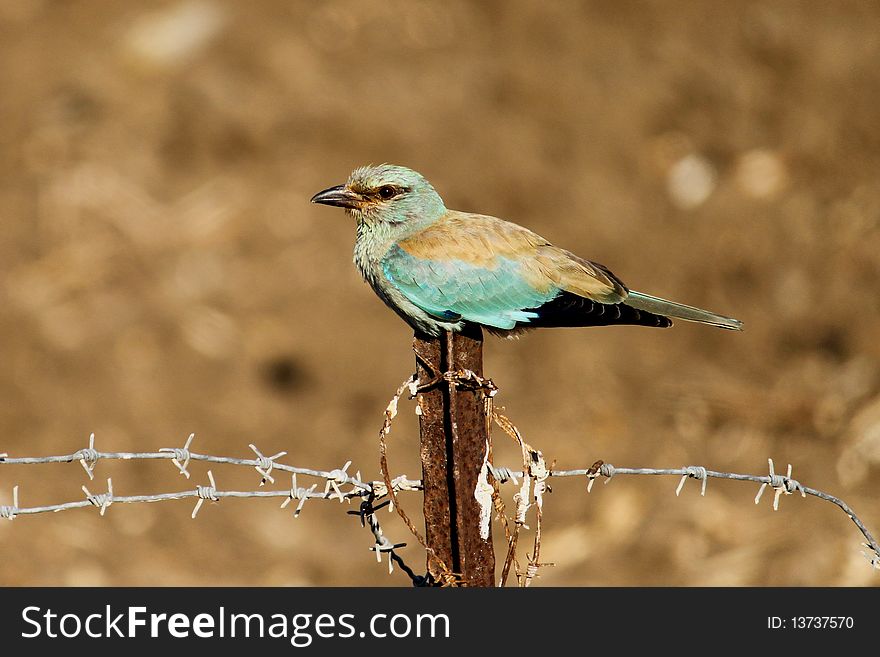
[
  {"x": 534, "y": 559},
  {"x": 390, "y": 413},
  {"x": 511, "y": 430},
  {"x": 510, "y": 558},
  {"x": 498, "y": 501}
]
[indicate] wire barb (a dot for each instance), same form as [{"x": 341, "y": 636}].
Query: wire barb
[
  {"x": 503, "y": 475},
  {"x": 205, "y": 493},
  {"x": 265, "y": 464},
  {"x": 181, "y": 455},
  {"x": 336, "y": 478},
  {"x": 9, "y": 512},
  {"x": 88, "y": 457},
  {"x": 101, "y": 500},
  {"x": 598, "y": 469},
  {"x": 697, "y": 472},
  {"x": 296, "y": 493},
  {"x": 781, "y": 486}
]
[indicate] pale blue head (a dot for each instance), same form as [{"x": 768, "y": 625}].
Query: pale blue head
[{"x": 385, "y": 194}]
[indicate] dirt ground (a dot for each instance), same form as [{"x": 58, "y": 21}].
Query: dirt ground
[{"x": 162, "y": 272}]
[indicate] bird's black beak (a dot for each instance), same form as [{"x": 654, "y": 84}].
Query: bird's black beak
[{"x": 340, "y": 196}]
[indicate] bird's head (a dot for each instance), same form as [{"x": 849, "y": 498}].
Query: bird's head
[{"x": 385, "y": 194}]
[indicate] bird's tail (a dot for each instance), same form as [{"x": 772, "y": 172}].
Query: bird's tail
[{"x": 659, "y": 306}]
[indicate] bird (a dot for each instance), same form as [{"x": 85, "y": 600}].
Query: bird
[{"x": 443, "y": 270}]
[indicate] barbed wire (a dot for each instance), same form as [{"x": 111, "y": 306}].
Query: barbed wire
[
  {"x": 534, "y": 475},
  {"x": 334, "y": 480},
  {"x": 781, "y": 484},
  {"x": 181, "y": 457}
]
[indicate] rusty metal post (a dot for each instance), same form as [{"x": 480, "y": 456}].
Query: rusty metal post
[{"x": 454, "y": 437}]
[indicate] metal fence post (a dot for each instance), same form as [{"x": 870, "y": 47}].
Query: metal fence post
[{"x": 454, "y": 436}]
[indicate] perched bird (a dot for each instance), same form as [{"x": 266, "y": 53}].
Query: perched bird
[{"x": 441, "y": 269}]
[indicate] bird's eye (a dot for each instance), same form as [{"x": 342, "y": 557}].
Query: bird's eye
[{"x": 386, "y": 192}]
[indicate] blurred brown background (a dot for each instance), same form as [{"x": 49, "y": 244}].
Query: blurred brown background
[{"x": 163, "y": 271}]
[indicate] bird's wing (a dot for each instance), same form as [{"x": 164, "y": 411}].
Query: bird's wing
[{"x": 485, "y": 270}]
